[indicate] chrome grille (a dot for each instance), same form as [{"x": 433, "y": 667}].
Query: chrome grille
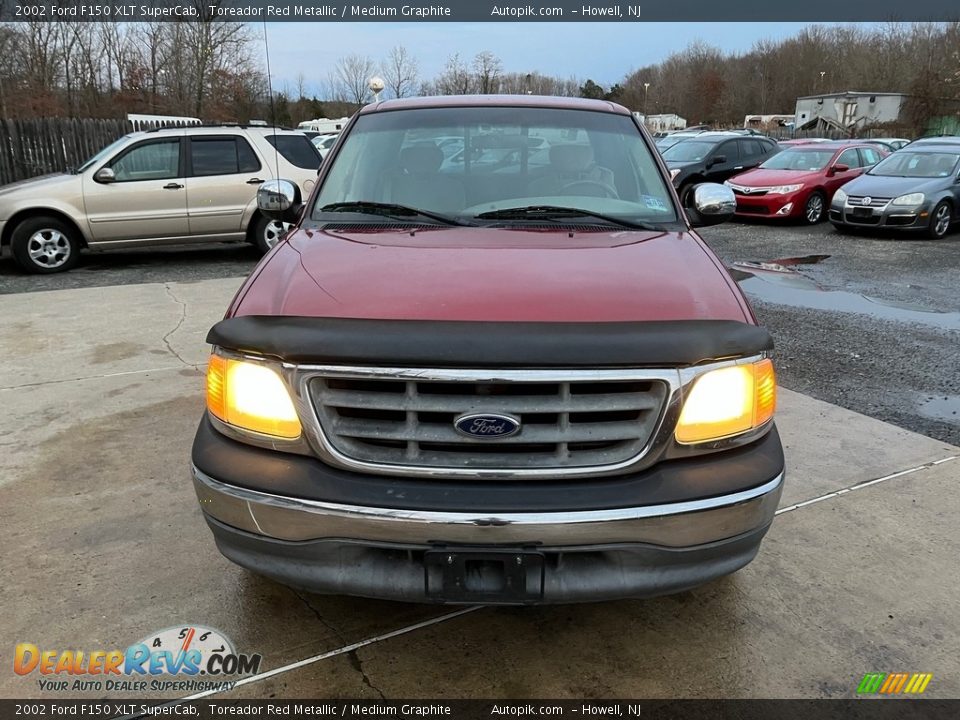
[
  {"x": 857, "y": 201},
  {"x": 565, "y": 423}
]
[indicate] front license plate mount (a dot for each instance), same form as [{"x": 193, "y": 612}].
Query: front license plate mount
[{"x": 479, "y": 576}]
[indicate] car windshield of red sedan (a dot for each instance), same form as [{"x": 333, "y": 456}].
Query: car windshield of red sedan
[
  {"x": 799, "y": 159},
  {"x": 463, "y": 162},
  {"x": 904, "y": 163}
]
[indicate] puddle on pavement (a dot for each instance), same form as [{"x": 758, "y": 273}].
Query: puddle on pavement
[
  {"x": 941, "y": 407},
  {"x": 785, "y": 286}
]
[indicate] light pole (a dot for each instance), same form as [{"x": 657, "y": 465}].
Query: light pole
[
  {"x": 646, "y": 87},
  {"x": 822, "y": 74}
]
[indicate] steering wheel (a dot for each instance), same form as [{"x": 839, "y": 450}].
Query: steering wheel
[{"x": 591, "y": 185}]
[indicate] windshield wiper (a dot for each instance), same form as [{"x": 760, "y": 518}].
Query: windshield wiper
[
  {"x": 556, "y": 212},
  {"x": 369, "y": 207}
]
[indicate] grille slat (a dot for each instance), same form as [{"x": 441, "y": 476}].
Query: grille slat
[
  {"x": 507, "y": 404},
  {"x": 578, "y": 423}
]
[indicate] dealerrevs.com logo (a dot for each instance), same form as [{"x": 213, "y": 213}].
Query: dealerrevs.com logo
[{"x": 170, "y": 660}]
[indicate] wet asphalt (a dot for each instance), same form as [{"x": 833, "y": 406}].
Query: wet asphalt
[{"x": 874, "y": 327}]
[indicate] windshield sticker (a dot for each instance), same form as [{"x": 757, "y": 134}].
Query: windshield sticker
[{"x": 654, "y": 203}]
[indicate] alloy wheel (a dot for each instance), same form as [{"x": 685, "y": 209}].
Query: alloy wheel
[
  {"x": 49, "y": 248},
  {"x": 814, "y": 210},
  {"x": 941, "y": 221},
  {"x": 273, "y": 233}
]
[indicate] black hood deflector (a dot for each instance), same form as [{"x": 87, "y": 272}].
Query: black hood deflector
[{"x": 431, "y": 343}]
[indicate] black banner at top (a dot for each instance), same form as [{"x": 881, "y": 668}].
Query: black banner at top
[{"x": 477, "y": 11}]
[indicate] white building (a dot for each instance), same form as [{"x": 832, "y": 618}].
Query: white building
[
  {"x": 847, "y": 110},
  {"x": 662, "y": 122}
]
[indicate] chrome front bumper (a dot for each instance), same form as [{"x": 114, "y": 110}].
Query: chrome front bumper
[{"x": 674, "y": 525}]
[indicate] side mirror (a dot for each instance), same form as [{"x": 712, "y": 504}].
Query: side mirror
[
  {"x": 712, "y": 204},
  {"x": 280, "y": 200},
  {"x": 105, "y": 175},
  {"x": 838, "y": 168},
  {"x": 717, "y": 160}
]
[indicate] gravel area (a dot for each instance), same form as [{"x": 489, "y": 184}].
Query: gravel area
[{"x": 904, "y": 372}]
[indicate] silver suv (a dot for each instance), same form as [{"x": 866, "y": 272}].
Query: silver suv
[{"x": 160, "y": 187}]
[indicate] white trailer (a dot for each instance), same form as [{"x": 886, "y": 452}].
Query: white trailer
[{"x": 324, "y": 125}]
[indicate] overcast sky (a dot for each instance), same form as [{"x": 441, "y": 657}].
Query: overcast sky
[{"x": 604, "y": 52}]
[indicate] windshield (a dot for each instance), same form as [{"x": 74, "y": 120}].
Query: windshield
[
  {"x": 104, "y": 154},
  {"x": 688, "y": 151},
  {"x": 462, "y": 162},
  {"x": 805, "y": 160},
  {"x": 904, "y": 163}
]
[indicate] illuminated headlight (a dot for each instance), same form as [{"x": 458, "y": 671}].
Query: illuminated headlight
[
  {"x": 783, "y": 189},
  {"x": 840, "y": 196},
  {"x": 251, "y": 397},
  {"x": 911, "y": 199},
  {"x": 727, "y": 402},
  {"x": 674, "y": 173}
]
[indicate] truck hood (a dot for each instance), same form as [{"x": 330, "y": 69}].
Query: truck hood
[
  {"x": 42, "y": 184},
  {"x": 489, "y": 274}
]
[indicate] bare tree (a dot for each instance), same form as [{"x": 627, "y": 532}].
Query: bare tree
[
  {"x": 488, "y": 69},
  {"x": 455, "y": 79},
  {"x": 353, "y": 72},
  {"x": 400, "y": 71}
]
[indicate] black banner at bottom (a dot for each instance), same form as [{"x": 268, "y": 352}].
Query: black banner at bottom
[{"x": 876, "y": 708}]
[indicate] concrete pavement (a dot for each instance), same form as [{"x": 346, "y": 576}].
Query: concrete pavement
[{"x": 101, "y": 389}]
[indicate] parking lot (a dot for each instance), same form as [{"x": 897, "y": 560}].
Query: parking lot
[{"x": 102, "y": 389}]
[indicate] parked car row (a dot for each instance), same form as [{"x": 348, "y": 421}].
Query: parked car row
[{"x": 890, "y": 183}]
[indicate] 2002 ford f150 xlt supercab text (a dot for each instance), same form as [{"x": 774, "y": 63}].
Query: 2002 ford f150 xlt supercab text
[{"x": 491, "y": 363}]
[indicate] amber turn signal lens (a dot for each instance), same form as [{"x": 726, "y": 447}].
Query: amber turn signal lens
[
  {"x": 727, "y": 402},
  {"x": 251, "y": 397}
]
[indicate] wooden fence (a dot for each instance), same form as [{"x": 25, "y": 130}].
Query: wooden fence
[{"x": 51, "y": 145}]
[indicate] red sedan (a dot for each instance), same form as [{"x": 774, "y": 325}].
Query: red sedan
[{"x": 800, "y": 181}]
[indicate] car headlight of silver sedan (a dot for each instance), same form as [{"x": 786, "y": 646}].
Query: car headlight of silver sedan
[
  {"x": 910, "y": 199},
  {"x": 839, "y": 197}
]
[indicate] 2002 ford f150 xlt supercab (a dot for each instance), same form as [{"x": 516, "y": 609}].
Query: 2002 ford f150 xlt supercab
[{"x": 491, "y": 363}]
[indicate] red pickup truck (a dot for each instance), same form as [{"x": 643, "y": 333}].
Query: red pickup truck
[{"x": 515, "y": 377}]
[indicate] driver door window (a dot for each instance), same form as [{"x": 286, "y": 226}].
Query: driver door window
[{"x": 152, "y": 161}]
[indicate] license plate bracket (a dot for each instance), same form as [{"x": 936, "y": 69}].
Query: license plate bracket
[
  {"x": 481, "y": 576},
  {"x": 862, "y": 212}
]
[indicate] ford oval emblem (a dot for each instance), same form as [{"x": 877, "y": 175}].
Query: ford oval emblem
[{"x": 487, "y": 426}]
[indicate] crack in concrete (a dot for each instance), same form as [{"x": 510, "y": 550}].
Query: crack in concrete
[
  {"x": 183, "y": 317},
  {"x": 358, "y": 666},
  {"x": 355, "y": 661},
  {"x": 306, "y": 601}
]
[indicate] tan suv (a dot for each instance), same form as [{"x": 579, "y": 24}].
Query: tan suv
[{"x": 160, "y": 187}]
